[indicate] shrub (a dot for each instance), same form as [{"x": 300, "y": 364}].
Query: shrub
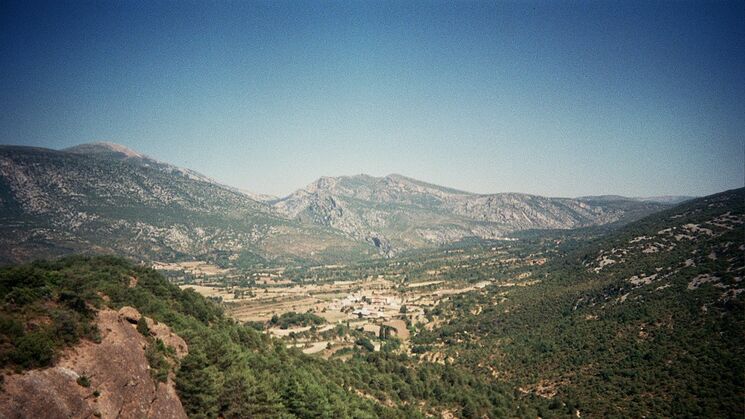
[
  {"x": 84, "y": 381},
  {"x": 35, "y": 349},
  {"x": 142, "y": 327},
  {"x": 159, "y": 366},
  {"x": 365, "y": 343}
]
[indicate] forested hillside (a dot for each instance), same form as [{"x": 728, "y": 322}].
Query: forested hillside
[
  {"x": 231, "y": 370},
  {"x": 647, "y": 321}
]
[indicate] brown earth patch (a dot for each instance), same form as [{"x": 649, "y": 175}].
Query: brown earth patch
[{"x": 116, "y": 368}]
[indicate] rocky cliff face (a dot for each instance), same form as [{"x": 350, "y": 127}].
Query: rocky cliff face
[
  {"x": 117, "y": 369},
  {"x": 396, "y": 212}
]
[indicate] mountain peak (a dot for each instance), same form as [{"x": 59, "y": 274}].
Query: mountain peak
[
  {"x": 105, "y": 148},
  {"x": 118, "y": 152}
]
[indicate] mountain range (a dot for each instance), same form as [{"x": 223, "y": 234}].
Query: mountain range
[
  {"x": 645, "y": 321},
  {"x": 106, "y": 198},
  {"x": 396, "y": 212}
]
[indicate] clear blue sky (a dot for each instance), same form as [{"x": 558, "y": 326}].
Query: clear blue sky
[{"x": 552, "y": 98}]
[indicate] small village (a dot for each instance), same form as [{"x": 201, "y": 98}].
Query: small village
[{"x": 323, "y": 312}]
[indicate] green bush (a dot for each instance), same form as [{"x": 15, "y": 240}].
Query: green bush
[
  {"x": 155, "y": 354},
  {"x": 142, "y": 327},
  {"x": 84, "y": 381},
  {"x": 35, "y": 349},
  {"x": 295, "y": 319},
  {"x": 365, "y": 343}
]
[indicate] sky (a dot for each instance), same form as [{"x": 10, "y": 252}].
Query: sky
[{"x": 552, "y": 98}]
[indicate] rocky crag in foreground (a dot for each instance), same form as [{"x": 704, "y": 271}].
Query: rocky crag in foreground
[{"x": 110, "y": 379}]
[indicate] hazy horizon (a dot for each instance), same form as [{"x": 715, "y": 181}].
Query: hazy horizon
[
  {"x": 381, "y": 176},
  {"x": 555, "y": 99}
]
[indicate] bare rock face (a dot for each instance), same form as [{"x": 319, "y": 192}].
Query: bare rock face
[
  {"x": 164, "y": 333},
  {"x": 118, "y": 372},
  {"x": 129, "y": 314},
  {"x": 395, "y": 212}
]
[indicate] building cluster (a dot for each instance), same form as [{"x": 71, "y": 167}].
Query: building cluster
[{"x": 366, "y": 306}]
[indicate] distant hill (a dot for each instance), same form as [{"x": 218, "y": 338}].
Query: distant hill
[
  {"x": 396, "y": 212},
  {"x": 103, "y": 198},
  {"x": 666, "y": 199},
  {"x": 260, "y": 196},
  {"x": 111, "y": 151}
]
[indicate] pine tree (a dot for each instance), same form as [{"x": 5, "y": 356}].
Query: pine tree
[{"x": 198, "y": 386}]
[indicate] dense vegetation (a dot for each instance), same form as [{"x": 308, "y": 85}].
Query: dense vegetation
[
  {"x": 42, "y": 311},
  {"x": 291, "y": 318},
  {"x": 592, "y": 339},
  {"x": 231, "y": 370}
]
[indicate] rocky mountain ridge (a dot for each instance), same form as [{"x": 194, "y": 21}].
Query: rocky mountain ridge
[
  {"x": 118, "y": 152},
  {"x": 106, "y": 198},
  {"x": 396, "y": 212},
  {"x": 56, "y": 202}
]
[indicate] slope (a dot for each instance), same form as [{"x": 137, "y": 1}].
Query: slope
[
  {"x": 93, "y": 200},
  {"x": 396, "y": 213},
  {"x": 230, "y": 371},
  {"x": 647, "y": 321}
]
